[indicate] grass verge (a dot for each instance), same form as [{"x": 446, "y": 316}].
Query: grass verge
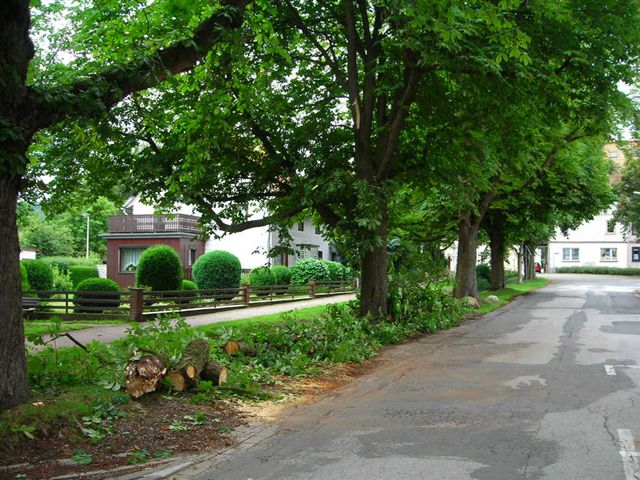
[
  {"x": 42, "y": 327},
  {"x": 505, "y": 295}
]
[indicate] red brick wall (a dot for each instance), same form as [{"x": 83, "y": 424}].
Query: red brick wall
[{"x": 127, "y": 279}]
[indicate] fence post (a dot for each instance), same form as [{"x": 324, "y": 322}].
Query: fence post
[
  {"x": 136, "y": 304},
  {"x": 313, "y": 289},
  {"x": 246, "y": 294}
]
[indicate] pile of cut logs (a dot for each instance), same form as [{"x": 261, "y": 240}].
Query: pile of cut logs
[{"x": 146, "y": 374}]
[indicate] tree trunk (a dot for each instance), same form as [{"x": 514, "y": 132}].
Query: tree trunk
[
  {"x": 466, "y": 283},
  {"x": 520, "y": 263},
  {"x": 233, "y": 348},
  {"x": 214, "y": 373},
  {"x": 529, "y": 255},
  {"x": 373, "y": 274},
  {"x": 13, "y": 366},
  {"x": 496, "y": 244}
]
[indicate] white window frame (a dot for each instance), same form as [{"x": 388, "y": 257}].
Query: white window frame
[
  {"x": 570, "y": 254},
  {"x": 609, "y": 254},
  {"x": 121, "y": 266}
]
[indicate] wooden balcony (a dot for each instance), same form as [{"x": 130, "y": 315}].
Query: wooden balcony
[{"x": 154, "y": 224}]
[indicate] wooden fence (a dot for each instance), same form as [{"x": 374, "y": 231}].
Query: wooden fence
[{"x": 137, "y": 304}]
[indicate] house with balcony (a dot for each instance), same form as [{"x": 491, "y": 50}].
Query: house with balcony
[{"x": 139, "y": 227}]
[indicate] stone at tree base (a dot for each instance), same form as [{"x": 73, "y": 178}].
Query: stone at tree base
[
  {"x": 493, "y": 299},
  {"x": 471, "y": 302}
]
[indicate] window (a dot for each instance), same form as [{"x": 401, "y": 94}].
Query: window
[
  {"x": 609, "y": 254},
  {"x": 307, "y": 251},
  {"x": 635, "y": 254},
  {"x": 317, "y": 230},
  {"x": 611, "y": 226},
  {"x": 301, "y": 227},
  {"x": 570, "y": 254},
  {"x": 192, "y": 256},
  {"x": 320, "y": 254},
  {"x": 129, "y": 258}
]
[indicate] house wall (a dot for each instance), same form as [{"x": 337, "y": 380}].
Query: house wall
[
  {"x": 590, "y": 238},
  {"x": 307, "y": 236},
  {"x": 181, "y": 245}
]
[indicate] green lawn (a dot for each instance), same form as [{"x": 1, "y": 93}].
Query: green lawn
[
  {"x": 301, "y": 313},
  {"x": 41, "y": 327},
  {"x": 506, "y": 295}
]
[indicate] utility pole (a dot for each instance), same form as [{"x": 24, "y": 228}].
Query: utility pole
[{"x": 87, "y": 216}]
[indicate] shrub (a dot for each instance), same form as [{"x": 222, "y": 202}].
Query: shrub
[
  {"x": 336, "y": 271},
  {"x": 217, "y": 269},
  {"x": 63, "y": 263},
  {"x": 24, "y": 281},
  {"x": 96, "y": 285},
  {"x": 61, "y": 280},
  {"x": 483, "y": 284},
  {"x": 78, "y": 273},
  {"x": 281, "y": 275},
  {"x": 39, "y": 274},
  {"x": 600, "y": 270},
  {"x": 261, "y": 276},
  {"x": 483, "y": 271},
  {"x": 159, "y": 268},
  {"x": 188, "y": 285},
  {"x": 309, "y": 269}
]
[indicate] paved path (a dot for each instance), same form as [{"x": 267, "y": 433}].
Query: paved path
[
  {"x": 545, "y": 388},
  {"x": 109, "y": 333}
]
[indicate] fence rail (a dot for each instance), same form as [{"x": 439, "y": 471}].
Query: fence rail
[
  {"x": 137, "y": 304},
  {"x": 154, "y": 223}
]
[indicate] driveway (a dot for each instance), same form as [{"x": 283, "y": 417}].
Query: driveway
[{"x": 546, "y": 387}]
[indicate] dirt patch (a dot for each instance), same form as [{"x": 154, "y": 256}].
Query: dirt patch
[{"x": 156, "y": 426}]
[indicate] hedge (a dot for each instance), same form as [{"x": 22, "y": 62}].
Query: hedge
[
  {"x": 39, "y": 274},
  {"x": 64, "y": 263},
  {"x": 96, "y": 285},
  {"x": 24, "y": 281},
  {"x": 217, "y": 269},
  {"x": 78, "y": 273},
  {"x": 260, "y": 277},
  {"x": 304, "y": 271},
  {"x": 336, "y": 271},
  {"x": 159, "y": 268},
  {"x": 281, "y": 275},
  {"x": 600, "y": 270}
]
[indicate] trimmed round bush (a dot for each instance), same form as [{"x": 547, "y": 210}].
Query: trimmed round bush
[
  {"x": 304, "y": 271},
  {"x": 217, "y": 269},
  {"x": 188, "y": 285},
  {"x": 78, "y": 273},
  {"x": 281, "y": 275},
  {"x": 95, "y": 286},
  {"x": 39, "y": 274},
  {"x": 336, "y": 271},
  {"x": 261, "y": 276},
  {"x": 24, "y": 281},
  {"x": 159, "y": 268}
]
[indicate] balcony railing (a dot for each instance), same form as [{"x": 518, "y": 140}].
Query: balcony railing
[{"x": 154, "y": 224}]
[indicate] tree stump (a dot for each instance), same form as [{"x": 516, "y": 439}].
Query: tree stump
[
  {"x": 233, "y": 348},
  {"x": 215, "y": 373},
  {"x": 144, "y": 375}
]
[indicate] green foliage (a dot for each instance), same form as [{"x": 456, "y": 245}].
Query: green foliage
[
  {"x": 281, "y": 275},
  {"x": 63, "y": 263},
  {"x": 39, "y": 274},
  {"x": 80, "y": 457},
  {"x": 48, "y": 238},
  {"x": 261, "y": 276},
  {"x": 217, "y": 269},
  {"x": 96, "y": 285},
  {"x": 159, "y": 268},
  {"x": 336, "y": 271},
  {"x": 600, "y": 270},
  {"x": 78, "y": 273},
  {"x": 61, "y": 281},
  {"x": 24, "y": 280},
  {"x": 304, "y": 271},
  {"x": 188, "y": 285},
  {"x": 483, "y": 277}
]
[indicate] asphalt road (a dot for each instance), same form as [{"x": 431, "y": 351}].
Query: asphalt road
[{"x": 546, "y": 387}]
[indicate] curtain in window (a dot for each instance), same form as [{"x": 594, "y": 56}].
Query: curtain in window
[{"x": 129, "y": 256}]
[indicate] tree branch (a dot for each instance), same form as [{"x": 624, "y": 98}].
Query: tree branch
[
  {"x": 248, "y": 224},
  {"x": 98, "y": 93}
]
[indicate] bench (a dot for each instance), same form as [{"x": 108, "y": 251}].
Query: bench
[{"x": 29, "y": 305}]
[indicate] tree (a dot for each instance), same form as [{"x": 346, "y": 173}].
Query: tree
[
  {"x": 628, "y": 205},
  {"x": 31, "y": 101},
  {"x": 313, "y": 97}
]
